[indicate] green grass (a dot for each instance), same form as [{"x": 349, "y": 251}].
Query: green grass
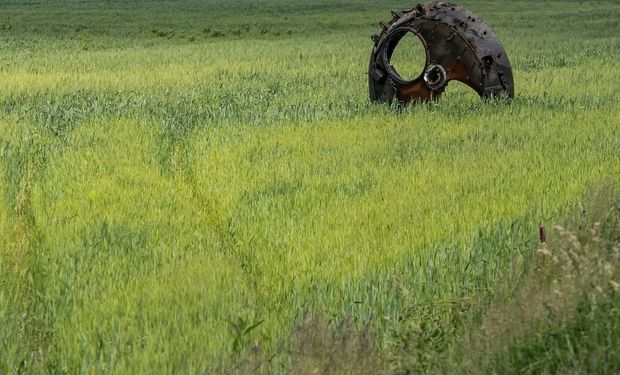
[{"x": 184, "y": 185}]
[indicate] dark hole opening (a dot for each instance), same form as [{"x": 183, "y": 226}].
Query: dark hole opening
[
  {"x": 434, "y": 76},
  {"x": 488, "y": 60}
]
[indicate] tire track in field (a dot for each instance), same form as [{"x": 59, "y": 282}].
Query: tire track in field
[
  {"x": 176, "y": 159},
  {"x": 22, "y": 252},
  {"x": 24, "y": 155}
]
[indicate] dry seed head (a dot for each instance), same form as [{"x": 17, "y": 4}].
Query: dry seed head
[
  {"x": 599, "y": 289},
  {"x": 574, "y": 241},
  {"x": 594, "y": 231},
  {"x": 608, "y": 269},
  {"x": 614, "y": 285},
  {"x": 575, "y": 259},
  {"x": 544, "y": 251}
]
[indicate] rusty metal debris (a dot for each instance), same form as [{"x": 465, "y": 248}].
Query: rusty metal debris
[{"x": 459, "y": 46}]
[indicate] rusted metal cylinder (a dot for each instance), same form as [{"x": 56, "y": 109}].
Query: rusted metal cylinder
[{"x": 459, "y": 46}]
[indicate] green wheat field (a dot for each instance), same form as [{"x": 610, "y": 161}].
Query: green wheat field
[{"x": 204, "y": 187}]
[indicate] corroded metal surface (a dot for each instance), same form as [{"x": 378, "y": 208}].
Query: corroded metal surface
[{"x": 459, "y": 46}]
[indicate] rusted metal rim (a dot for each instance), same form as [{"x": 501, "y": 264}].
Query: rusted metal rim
[{"x": 459, "y": 46}]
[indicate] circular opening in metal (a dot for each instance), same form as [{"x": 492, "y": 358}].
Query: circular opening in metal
[
  {"x": 406, "y": 56},
  {"x": 488, "y": 60},
  {"x": 435, "y": 77}
]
